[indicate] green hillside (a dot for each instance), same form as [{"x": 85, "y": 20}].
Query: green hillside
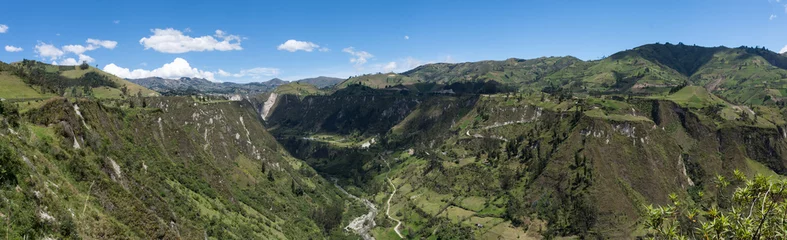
[
  {"x": 298, "y": 89},
  {"x": 176, "y": 169},
  {"x": 31, "y": 79},
  {"x": 741, "y": 75},
  {"x": 528, "y": 165}
]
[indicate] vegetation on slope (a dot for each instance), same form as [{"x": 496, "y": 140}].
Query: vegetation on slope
[
  {"x": 529, "y": 164},
  {"x": 43, "y": 80},
  {"x": 167, "y": 168}
]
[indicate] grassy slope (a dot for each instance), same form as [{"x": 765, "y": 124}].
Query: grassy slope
[
  {"x": 168, "y": 171},
  {"x": 298, "y": 89},
  {"x": 105, "y": 92},
  {"x": 13, "y": 87}
]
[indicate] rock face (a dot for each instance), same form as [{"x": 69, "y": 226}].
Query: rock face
[{"x": 268, "y": 105}]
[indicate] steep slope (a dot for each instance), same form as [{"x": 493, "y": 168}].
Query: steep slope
[
  {"x": 176, "y": 169},
  {"x": 530, "y": 165}
]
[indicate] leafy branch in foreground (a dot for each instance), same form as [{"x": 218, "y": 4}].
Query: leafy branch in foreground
[{"x": 757, "y": 210}]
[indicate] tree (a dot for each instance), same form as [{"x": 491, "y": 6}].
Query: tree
[
  {"x": 124, "y": 90},
  {"x": 84, "y": 65},
  {"x": 758, "y": 210}
]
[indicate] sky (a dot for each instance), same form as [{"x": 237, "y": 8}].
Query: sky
[{"x": 253, "y": 41}]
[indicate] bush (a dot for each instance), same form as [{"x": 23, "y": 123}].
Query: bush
[
  {"x": 9, "y": 165},
  {"x": 84, "y": 66},
  {"x": 758, "y": 210}
]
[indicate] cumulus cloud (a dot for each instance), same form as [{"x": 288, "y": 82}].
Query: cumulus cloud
[
  {"x": 176, "y": 69},
  {"x": 173, "y": 41},
  {"x": 406, "y": 64},
  {"x": 48, "y": 51},
  {"x": 254, "y": 73},
  {"x": 9, "y": 48},
  {"x": 358, "y": 57},
  {"x": 784, "y": 49},
  {"x": 53, "y": 53},
  {"x": 3, "y": 28},
  {"x": 293, "y": 45},
  {"x": 389, "y": 67},
  {"x": 73, "y": 62},
  {"x": 103, "y": 43},
  {"x": 772, "y": 17},
  {"x": 406, "y": 37},
  {"x": 179, "y": 68},
  {"x": 66, "y": 62},
  {"x": 78, "y": 49}
]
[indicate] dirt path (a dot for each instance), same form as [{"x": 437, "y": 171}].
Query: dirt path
[
  {"x": 388, "y": 208},
  {"x": 388, "y": 211},
  {"x": 714, "y": 84}
]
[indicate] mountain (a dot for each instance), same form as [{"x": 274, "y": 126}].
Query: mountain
[
  {"x": 743, "y": 75},
  {"x": 199, "y": 85},
  {"x": 321, "y": 81}
]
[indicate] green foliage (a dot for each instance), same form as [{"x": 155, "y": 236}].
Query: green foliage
[
  {"x": 758, "y": 210},
  {"x": 9, "y": 165}
]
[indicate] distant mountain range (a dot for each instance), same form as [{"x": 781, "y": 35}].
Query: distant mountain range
[
  {"x": 187, "y": 85},
  {"x": 743, "y": 74}
]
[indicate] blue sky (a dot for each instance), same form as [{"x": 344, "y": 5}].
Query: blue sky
[{"x": 244, "y": 41}]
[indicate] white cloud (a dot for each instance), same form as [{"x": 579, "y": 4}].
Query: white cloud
[
  {"x": 176, "y": 69},
  {"x": 116, "y": 21},
  {"x": 389, "y": 67},
  {"x": 3, "y": 28},
  {"x": 324, "y": 49},
  {"x": 784, "y": 49},
  {"x": 173, "y": 41},
  {"x": 53, "y": 53},
  {"x": 406, "y": 64},
  {"x": 73, "y": 62},
  {"x": 293, "y": 45},
  {"x": 48, "y": 51},
  {"x": 103, "y": 43},
  {"x": 772, "y": 17},
  {"x": 406, "y": 37},
  {"x": 359, "y": 57},
  {"x": 254, "y": 73},
  {"x": 66, "y": 62},
  {"x": 9, "y": 48},
  {"x": 85, "y": 58},
  {"x": 78, "y": 49}
]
